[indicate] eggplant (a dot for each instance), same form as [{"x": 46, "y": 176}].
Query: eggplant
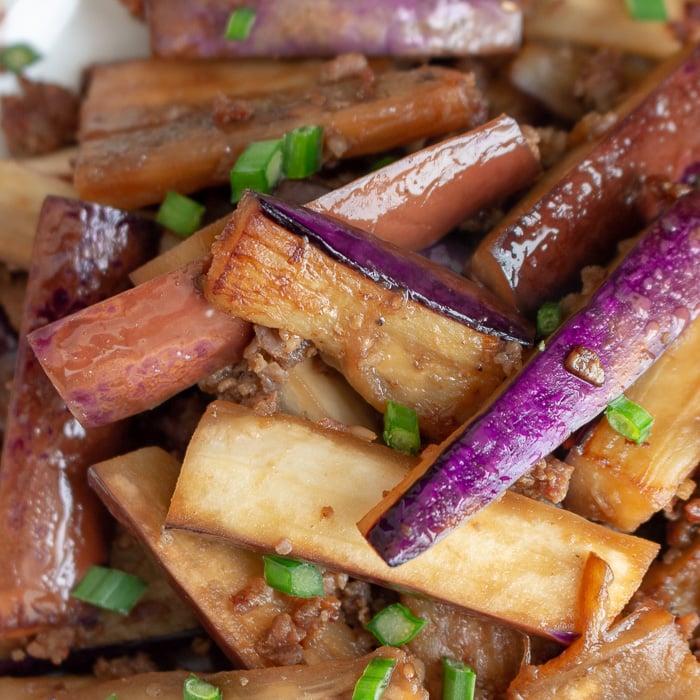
[
  {"x": 640, "y": 309},
  {"x": 51, "y": 524},
  {"x": 135, "y": 168},
  {"x": 132, "y": 340},
  {"x": 22, "y": 193},
  {"x": 622, "y": 483},
  {"x": 137, "y": 94},
  {"x": 442, "y": 363},
  {"x": 309, "y": 28},
  {"x": 432, "y": 191},
  {"x": 280, "y": 481},
  {"x": 643, "y": 655},
  {"x": 137, "y": 488},
  {"x": 446, "y": 166},
  {"x": 394, "y": 269},
  {"x": 599, "y": 23},
  {"x": 591, "y": 200},
  {"x": 335, "y": 679}
]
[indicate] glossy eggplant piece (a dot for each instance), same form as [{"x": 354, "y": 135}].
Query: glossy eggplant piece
[
  {"x": 51, "y": 524},
  {"x": 430, "y": 192},
  {"x": 387, "y": 345},
  {"x": 134, "y": 340},
  {"x": 135, "y": 168},
  {"x": 590, "y": 201},
  {"x": 266, "y": 481},
  {"x": 311, "y": 28},
  {"x": 137, "y": 488},
  {"x": 639, "y": 310},
  {"x": 394, "y": 268}
]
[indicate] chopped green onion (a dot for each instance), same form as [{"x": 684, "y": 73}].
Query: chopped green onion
[
  {"x": 113, "y": 696},
  {"x": 240, "y": 23},
  {"x": 647, "y": 10},
  {"x": 458, "y": 680},
  {"x": 382, "y": 162},
  {"x": 548, "y": 318},
  {"x": 258, "y": 168},
  {"x": 395, "y": 625},
  {"x": 374, "y": 680},
  {"x": 629, "y": 419},
  {"x": 401, "y": 428},
  {"x": 196, "y": 689},
  {"x": 110, "y": 589},
  {"x": 302, "y": 151},
  {"x": 17, "y": 57},
  {"x": 292, "y": 577},
  {"x": 180, "y": 214}
]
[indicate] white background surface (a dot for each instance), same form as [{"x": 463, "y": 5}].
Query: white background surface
[{"x": 69, "y": 35}]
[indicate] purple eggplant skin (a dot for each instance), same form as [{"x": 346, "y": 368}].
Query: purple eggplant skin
[
  {"x": 641, "y": 308},
  {"x": 52, "y": 525},
  {"x": 329, "y": 27},
  {"x": 438, "y": 288}
]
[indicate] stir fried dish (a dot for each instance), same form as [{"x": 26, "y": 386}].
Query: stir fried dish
[{"x": 350, "y": 350}]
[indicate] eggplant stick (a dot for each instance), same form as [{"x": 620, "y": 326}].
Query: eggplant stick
[
  {"x": 387, "y": 345},
  {"x": 209, "y": 574},
  {"x": 456, "y": 178},
  {"x": 623, "y": 483},
  {"x": 136, "y": 168},
  {"x": 591, "y": 200},
  {"x": 271, "y": 482},
  {"x": 319, "y": 682},
  {"x": 134, "y": 340},
  {"x": 310, "y": 28},
  {"x": 136, "y": 94},
  {"x": 646, "y": 302},
  {"x": 196, "y": 247},
  {"x": 643, "y": 654},
  {"x": 51, "y": 525},
  {"x": 602, "y": 23},
  {"x": 22, "y": 192}
]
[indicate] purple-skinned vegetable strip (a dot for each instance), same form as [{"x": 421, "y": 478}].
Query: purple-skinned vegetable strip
[
  {"x": 327, "y": 28},
  {"x": 441, "y": 290},
  {"x": 645, "y": 304}
]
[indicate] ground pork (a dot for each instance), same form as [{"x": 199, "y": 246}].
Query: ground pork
[{"x": 41, "y": 119}]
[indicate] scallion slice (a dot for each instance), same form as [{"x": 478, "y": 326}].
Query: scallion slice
[
  {"x": 113, "y": 696},
  {"x": 296, "y": 578},
  {"x": 401, "y": 428},
  {"x": 629, "y": 419},
  {"x": 240, "y": 23},
  {"x": 374, "y": 680},
  {"x": 17, "y": 57},
  {"x": 548, "y": 318},
  {"x": 458, "y": 680},
  {"x": 302, "y": 151},
  {"x": 110, "y": 589},
  {"x": 195, "y": 688},
  {"x": 647, "y": 10},
  {"x": 180, "y": 214},
  {"x": 395, "y": 625},
  {"x": 258, "y": 168}
]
